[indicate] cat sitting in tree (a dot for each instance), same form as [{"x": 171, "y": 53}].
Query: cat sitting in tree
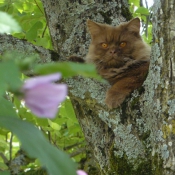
[{"x": 120, "y": 56}]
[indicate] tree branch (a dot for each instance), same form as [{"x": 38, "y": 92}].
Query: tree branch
[
  {"x": 10, "y": 43},
  {"x": 80, "y": 151},
  {"x": 72, "y": 146},
  {"x": 11, "y": 146}
]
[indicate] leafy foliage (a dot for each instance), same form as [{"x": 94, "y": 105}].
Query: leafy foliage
[
  {"x": 7, "y": 24},
  {"x": 143, "y": 11},
  {"x": 86, "y": 70},
  {"x": 46, "y": 153},
  {"x": 32, "y": 140},
  {"x": 13, "y": 72},
  {"x": 63, "y": 132},
  {"x": 30, "y": 15}
]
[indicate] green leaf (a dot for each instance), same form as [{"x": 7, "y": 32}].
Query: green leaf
[
  {"x": 54, "y": 125},
  {"x": 8, "y": 24},
  {"x": 19, "y": 35},
  {"x": 23, "y": 62},
  {"x": 36, "y": 145},
  {"x": 5, "y": 173},
  {"x": 73, "y": 129},
  {"x": 135, "y": 2},
  {"x": 9, "y": 76},
  {"x": 6, "y": 108},
  {"x": 28, "y": 6},
  {"x": 26, "y": 115},
  {"x": 32, "y": 33},
  {"x": 142, "y": 10},
  {"x": 18, "y": 6},
  {"x": 66, "y": 110},
  {"x": 68, "y": 69},
  {"x": 3, "y": 144},
  {"x": 44, "y": 42},
  {"x": 43, "y": 122},
  {"x": 16, "y": 102},
  {"x": 3, "y": 132}
]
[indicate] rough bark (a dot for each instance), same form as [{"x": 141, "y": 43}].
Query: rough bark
[
  {"x": 9, "y": 43},
  {"x": 137, "y": 138},
  {"x": 67, "y": 24},
  {"x": 160, "y": 93}
]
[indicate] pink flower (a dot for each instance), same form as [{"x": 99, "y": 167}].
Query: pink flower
[
  {"x": 81, "y": 172},
  {"x": 42, "y": 96}
]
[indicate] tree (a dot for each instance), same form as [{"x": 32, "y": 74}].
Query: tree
[{"x": 138, "y": 137}]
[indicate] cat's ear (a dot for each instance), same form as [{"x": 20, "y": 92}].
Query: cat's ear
[
  {"x": 134, "y": 25},
  {"x": 93, "y": 27}
]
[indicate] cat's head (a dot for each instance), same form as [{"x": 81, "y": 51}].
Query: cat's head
[{"x": 112, "y": 46}]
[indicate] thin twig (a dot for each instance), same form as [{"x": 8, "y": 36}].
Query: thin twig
[
  {"x": 78, "y": 152},
  {"x": 44, "y": 31},
  {"x": 11, "y": 146},
  {"x": 4, "y": 158},
  {"x": 43, "y": 14},
  {"x": 38, "y": 7},
  {"x": 146, "y": 3},
  {"x": 72, "y": 146}
]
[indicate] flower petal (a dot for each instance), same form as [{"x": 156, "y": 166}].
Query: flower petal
[
  {"x": 81, "y": 172},
  {"x": 30, "y": 83},
  {"x": 43, "y": 100}
]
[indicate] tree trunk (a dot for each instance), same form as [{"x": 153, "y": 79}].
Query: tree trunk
[
  {"x": 137, "y": 138},
  {"x": 159, "y": 96}
]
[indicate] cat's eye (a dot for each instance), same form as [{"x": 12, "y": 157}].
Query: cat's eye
[
  {"x": 122, "y": 44},
  {"x": 104, "y": 45}
]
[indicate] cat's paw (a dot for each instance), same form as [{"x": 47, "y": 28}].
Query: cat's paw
[
  {"x": 76, "y": 59},
  {"x": 113, "y": 100}
]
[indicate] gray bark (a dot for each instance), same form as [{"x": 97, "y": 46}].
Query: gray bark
[
  {"x": 137, "y": 138},
  {"x": 9, "y": 43},
  {"x": 160, "y": 92}
]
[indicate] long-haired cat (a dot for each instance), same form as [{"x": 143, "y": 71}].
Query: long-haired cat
[{"x": 121, "y": 57}]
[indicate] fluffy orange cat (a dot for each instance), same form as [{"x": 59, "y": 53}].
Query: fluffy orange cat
[{"x": 121, "y": 57}]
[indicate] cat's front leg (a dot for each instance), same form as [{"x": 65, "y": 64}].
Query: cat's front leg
[
  {"x": 114, "y": 99},
  {"x": 116, "y": 95}
]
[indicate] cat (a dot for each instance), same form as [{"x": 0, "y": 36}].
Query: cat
[{"x": 120, "y": 56}]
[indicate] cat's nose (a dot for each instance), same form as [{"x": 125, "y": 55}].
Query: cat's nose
[{"x": 113, "y": 51}]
